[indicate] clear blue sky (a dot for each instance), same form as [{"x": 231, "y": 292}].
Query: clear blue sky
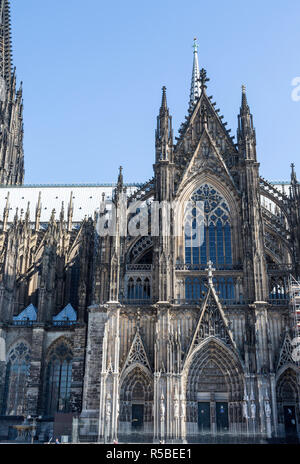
[{"x": 93, "y": 70}]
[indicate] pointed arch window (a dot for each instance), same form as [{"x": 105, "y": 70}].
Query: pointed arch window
[
  {"x": 208, "y": 228},
  {"x": 130, "y": 289},
  {"x": 58, "y": 379},
  {"x": 17, "y": 374},
  {"x": 139, "y": 288},
  {"x": 196, "y": 288}
]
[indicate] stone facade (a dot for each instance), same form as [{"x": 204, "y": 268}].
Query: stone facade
[{"x": 170, "y": 340}]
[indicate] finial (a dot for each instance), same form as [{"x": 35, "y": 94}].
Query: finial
[
  {"x": 210, "y": 269},
  {"x": 164, "y": 99},
  {"x": 293, "y": 173},
  {"x": 120, "y": 178},
  {"x": 244, "y": 99},
  {"x": 62, "y": 211},
  {"x": 195, "y": 45},
  {"x": 138, "y": 323},
  {"x": 203, "y": 78},
  {"x": 27, "y": 215}
]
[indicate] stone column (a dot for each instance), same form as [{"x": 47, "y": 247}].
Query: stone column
[{"x": 95, "y": 348}]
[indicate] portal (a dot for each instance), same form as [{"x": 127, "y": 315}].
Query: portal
[{"x": 204, "y": 417}]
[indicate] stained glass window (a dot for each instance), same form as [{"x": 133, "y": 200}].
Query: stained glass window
[
  {"x": 17, "y": 372},
  {"x": 58, "y": 379},
  {"x": 207, "y": 228},
  {"x": 138, "y": 288}
]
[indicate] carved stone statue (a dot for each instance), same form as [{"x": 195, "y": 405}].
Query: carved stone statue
[
  {"x": 268, "y": 410},
  {"x": 245, "y": 410},
  {"x": 253, "y": 410}
]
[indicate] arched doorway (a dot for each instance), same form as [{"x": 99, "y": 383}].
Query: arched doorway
[
  {"x": 287, "y": 391},
  {"x": 214, "y": 390},
  {"x": 136, "y": 403}
]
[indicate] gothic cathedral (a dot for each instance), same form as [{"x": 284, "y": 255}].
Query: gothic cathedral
[{"x": 150, "y": 336}]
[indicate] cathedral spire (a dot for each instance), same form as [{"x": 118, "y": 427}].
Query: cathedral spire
[
  {"x": 5, "y": 42},
  {"x": 195, "y": 85},
  {"x": 11, "y": 108}
]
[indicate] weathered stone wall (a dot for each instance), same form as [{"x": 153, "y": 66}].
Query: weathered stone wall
[{"x": 93, "y": 360}]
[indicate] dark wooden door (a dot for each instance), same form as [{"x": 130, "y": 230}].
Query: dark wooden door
[
  {"x": 137, "y": 415},
  {"x": 290, "y": 421},
  {"x": 204, "y": 417},
  {"x": 222, "y": 417}
]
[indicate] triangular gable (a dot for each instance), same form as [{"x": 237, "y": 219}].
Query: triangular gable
[
  {"x": 206, "y": 156},
  {"x": 285, "y": 356},
  {"x": 67, "y": 314},
  {"x": 203, "y": 116},
  {"x": 137, "y": 353},
  {"x": 212, "y": 323},
  {"x": 205, "y": 102},
  {"x": 28, "y": 314}
]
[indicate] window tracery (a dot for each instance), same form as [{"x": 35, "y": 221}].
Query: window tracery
[
  {"x": 207, "y": 228},
  {"x": 17, "y": 373},
  {"x": 58, "y": 378}
]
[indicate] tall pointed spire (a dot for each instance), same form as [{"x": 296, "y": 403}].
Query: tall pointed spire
[
  {"x": 195, "y": 85},
  {"x": 5, "y": 42},
  {"x": 11, "y": 108}
]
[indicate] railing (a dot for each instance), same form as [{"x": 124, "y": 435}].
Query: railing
[
  {"x": 203, "y": 267},
  {"x": 139, "y": 267},
  {"x": 223, "y": 301},
  {"x": 64, "y": 323},
  {"x": 129, "y": 301},
  {"x": 24, "y": 323},
  {"x": 279, "y": 301},
  {"x": 199, "y": 301}
]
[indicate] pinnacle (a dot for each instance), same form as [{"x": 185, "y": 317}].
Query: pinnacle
[
  {"x": 164, "y": 107},
  {"x": 203, "y": 78},
  {"x": 245, "y": 105}
]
